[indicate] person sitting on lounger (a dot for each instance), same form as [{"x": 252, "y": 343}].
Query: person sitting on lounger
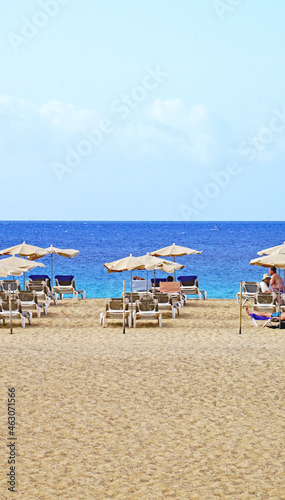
[
  {"x": 264, "y": 284},
  {"x": 276, "y": 281},
  {"x": 169, "y": 278}
]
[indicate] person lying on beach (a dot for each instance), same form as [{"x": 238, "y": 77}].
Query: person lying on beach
[
  {"x": 264, "y": 284},
  {"x": 264, "y": 315},
  {"x": 276, "y": 281}
]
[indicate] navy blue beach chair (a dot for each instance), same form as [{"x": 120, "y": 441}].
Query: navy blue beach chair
[
  {"x": 65, "y": 284},
  {"x": 189, "y": 286}
]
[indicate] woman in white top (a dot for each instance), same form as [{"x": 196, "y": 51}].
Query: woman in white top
[{"x": 264, "y": 284}]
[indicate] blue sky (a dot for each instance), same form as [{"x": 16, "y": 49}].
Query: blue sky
[{"x": 151, "y": 110}]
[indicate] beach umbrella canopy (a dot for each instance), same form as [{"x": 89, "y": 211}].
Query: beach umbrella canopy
[
  {"x": 23, "y": 264},
  {"x": 174, "y": 251},
  {"x": 145, "y": 262},
  {"x": 63, "y": 252},
  {"x": 129, "y": 263},
  {"x": 25, "y": 250},
  {"x": 275, "y": 259},
  {"x": 155, "y": 263},
  {"x": 279, "y": 249},
  {"x": 152, "y": 263},
  {"x": 6, "y": 269}
]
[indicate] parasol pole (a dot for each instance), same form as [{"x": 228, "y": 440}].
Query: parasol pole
[
  {"x": 51, "y": 269},
  {"x": 146, "y": 288},
  {"x": 174, "y": 269},
  {"x": 10, "y": 308},
  {"x": 124, "y": 308},
  {"x": 131, "y": 299},
  {"x": 240, "y": 306},
  {"x": 279, "y": 293}
]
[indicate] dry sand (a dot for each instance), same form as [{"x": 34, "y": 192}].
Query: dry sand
[{"x": 192, "y": 410}]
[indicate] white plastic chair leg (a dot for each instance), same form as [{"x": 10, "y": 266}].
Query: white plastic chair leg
[
  {"x": 23, "y": 319},
  {"x": 103, "y": 319},
  {"x": 253, "y": 320},
  {"x": 159, "y": 320}
]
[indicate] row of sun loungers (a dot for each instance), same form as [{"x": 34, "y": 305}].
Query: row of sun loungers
[
  {"x": 65, "y": 285},
  {"x": 143, "y": 309},
  {"x": 36, "y": 298},
  {"x": 146, "y": 305},
  {"x": 261, "y": 301},
  {"x": 151, "y": 298},
  {"x": 16, "y": 311},
  {"x": 188, "y": 285}
]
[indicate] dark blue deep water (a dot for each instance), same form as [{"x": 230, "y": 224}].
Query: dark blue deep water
[{"x": 227, "y": 249}]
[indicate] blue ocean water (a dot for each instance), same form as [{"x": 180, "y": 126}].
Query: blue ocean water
[{"x": 227, "y": 249}]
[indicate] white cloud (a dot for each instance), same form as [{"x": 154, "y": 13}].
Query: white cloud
[
  {"x": 65, "y": 116},
  {"x": 167, "y": 132},
  {"x": 170, "y": 128}
]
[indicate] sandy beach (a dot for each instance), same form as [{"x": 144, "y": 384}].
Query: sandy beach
[{"x": 192, "y": 410}]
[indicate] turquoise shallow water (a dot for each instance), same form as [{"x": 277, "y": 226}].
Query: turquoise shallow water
[{"x": 227, "y": 249}]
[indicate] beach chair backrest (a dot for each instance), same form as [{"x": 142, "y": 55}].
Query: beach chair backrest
[
  {"x": 146, "y": 305},
  {"x": 170, "y": 287},
  {"x": 156, "y": 281},
  {"x": 37, "y": 286},
  {"x": 250, "y": 286},
  {"x": 14, "y": 285},
  {"x": 27, "y": 296},
  {"x": 65, "y": 281},
  {"x": 3, "y": 295},
  {"x": 162, "y": 298},
  {"x": 265, "y": 298},
  {"x": 188, "y": 280},
  {"x": 40, "y": 277},
  {"x": 15, "y": 305},
  {"x": 136, "y": 296},
  {"x": 116, "y": 305}
]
